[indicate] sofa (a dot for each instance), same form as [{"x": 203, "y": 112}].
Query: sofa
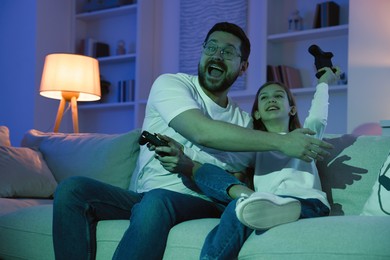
[{"x": 358, "y": 227}]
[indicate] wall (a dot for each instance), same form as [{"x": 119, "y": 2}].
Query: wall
[
  {"x": 17, "y": 63},
  {"x": 53, "y": 34},
  {"x": 368, "y": 57},
  {"x": 27, "y": 29},
  {"x": 369, "y": 62},
  {"x": 32, "y": 29}
]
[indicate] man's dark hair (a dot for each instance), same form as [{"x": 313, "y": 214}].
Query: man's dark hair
[{"x": 236, "y": 31}]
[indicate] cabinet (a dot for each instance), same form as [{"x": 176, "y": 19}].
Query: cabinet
[
  {"x": 290, "y": 48},
  {"x": 146, "y": 23},
  {"x": 127, "y": 25}
]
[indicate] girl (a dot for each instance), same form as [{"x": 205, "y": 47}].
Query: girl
[{"x": 285, "y": 188}]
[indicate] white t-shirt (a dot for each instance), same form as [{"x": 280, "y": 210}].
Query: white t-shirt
[
  {"x": 283, "y": 175},
  {"x": 170, "y": 95}
]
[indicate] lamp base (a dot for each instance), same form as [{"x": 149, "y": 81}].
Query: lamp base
[{"x": 68, "y": 96}]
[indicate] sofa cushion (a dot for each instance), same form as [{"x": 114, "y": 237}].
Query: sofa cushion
[
  {"x": 108, "y": 235},
  {"x": 8, "y": 205},
  {"x": 110, "y": 158},
  {"x": 24, "y": 173},
  {"x": 185, "y": 240},
  {"x": 337, "y": 237},
  {"x": 379, "y": 201},
  {"x": 349, "y": 173},
  {"x": 4, "y": 136},
  {"x": 27, "y": 234},
  {"x": 31, "y": 229}
]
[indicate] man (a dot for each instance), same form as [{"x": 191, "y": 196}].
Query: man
[{"x": 195, "y": 111}]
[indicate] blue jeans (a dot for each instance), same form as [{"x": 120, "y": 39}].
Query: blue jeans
[
  {"x": 227, "y": 238},
  {"x": 80, "y": 202}
]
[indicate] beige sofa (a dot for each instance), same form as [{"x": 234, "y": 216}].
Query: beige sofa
[{"x": 349, "y": 177}]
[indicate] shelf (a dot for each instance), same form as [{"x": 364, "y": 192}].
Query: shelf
[
  {"x": 333, "y": 31},
  {"x": 311, "y": 90},
  {"x": 117, "y": 58},
  {"x": 106, "y": 105},
  {"x": 86, "y": 106},
  {"x": 107, "y": 13},
  {"x": 295, "y": 91}
]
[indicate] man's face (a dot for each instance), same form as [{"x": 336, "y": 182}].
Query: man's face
[{"x": 216, "y": 73}]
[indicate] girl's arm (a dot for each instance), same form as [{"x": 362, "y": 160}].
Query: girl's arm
[{"x": 318, "y": 113}]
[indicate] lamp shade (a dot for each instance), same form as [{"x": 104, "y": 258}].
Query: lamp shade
[{"x": 64, "y": 72}]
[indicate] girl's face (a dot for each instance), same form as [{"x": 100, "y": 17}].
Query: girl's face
[{"x": 273, "y": 105}]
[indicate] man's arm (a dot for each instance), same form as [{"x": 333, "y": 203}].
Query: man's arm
[
  {"x": 176, "y": 161},
  {"x": 196, "y": 127}
]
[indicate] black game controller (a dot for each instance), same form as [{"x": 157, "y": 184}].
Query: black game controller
[
  {"x": 321, "y": 59},
  {"x": 153, "y": 139}
]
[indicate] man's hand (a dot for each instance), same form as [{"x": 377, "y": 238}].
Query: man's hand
[
  {"x": 174, "y": 160},
  {"x": 300, "y": 144}
]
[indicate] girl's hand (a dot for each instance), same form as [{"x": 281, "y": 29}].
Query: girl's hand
[{"x": 330, "y": 77}]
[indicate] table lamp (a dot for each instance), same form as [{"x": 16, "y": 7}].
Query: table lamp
[{"x": 70, "y": 78}]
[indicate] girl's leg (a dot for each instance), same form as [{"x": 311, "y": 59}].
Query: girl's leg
[
  {"x": 312, "y": 208},
  {"x": 218, "y": 184},
  {"x": 264, "y": 210},
  {"x": 226, "y": 239}
]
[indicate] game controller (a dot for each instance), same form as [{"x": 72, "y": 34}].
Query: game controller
[
  {"x": 321, "y": 59},
  {"x": 153, "y": 139}
]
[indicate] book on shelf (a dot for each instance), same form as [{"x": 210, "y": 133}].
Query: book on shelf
[
  {"x": 283, "y": 74},
  {"x": 89, "y": 47},
  {"x": 294, "y": 79},
  {"x": 289, "y": 76},
  {"x": 126, "y": 91},
  {"x": 326, "y": 14},
  {"x": 273, "y": 73}
]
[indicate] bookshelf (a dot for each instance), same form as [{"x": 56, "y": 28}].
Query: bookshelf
[
  {"x": 273, "y": 44},
  {"x": 284, "y": 47},
  {"x": 129, "y": 24},
  {"x": 290, "y": 47},
  {"x": 309, "y": 34}
]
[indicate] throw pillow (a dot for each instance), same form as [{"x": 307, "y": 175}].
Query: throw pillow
[
  {"x": 24, "y": 173},
  {"x": 109, "y": 158},
  {"x": 378, "y": 203},
  {"x": 4, "y": 136}
]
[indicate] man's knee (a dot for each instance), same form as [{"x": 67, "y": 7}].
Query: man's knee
[
  {"x": 70, "y": 186},
  {"x": 158, "y": 200}
]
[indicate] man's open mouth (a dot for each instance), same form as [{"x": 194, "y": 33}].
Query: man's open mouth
[{"x": 215, "y": 71}]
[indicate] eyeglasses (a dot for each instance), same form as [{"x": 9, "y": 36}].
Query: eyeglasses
[{"x": 228, "y": 53}]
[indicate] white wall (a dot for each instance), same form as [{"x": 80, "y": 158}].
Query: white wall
[
  {"x": 32, "y": 29},
  {"x": 369, "y": 62},
  {"x": 54, "y": 33},
  {"x": 167, "y": 35},
  {"x": 17, "y": 63},
  {"x": 29, "y": 31}
]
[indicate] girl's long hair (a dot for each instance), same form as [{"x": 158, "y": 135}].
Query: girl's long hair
[{"x": 294, "y": 122}]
